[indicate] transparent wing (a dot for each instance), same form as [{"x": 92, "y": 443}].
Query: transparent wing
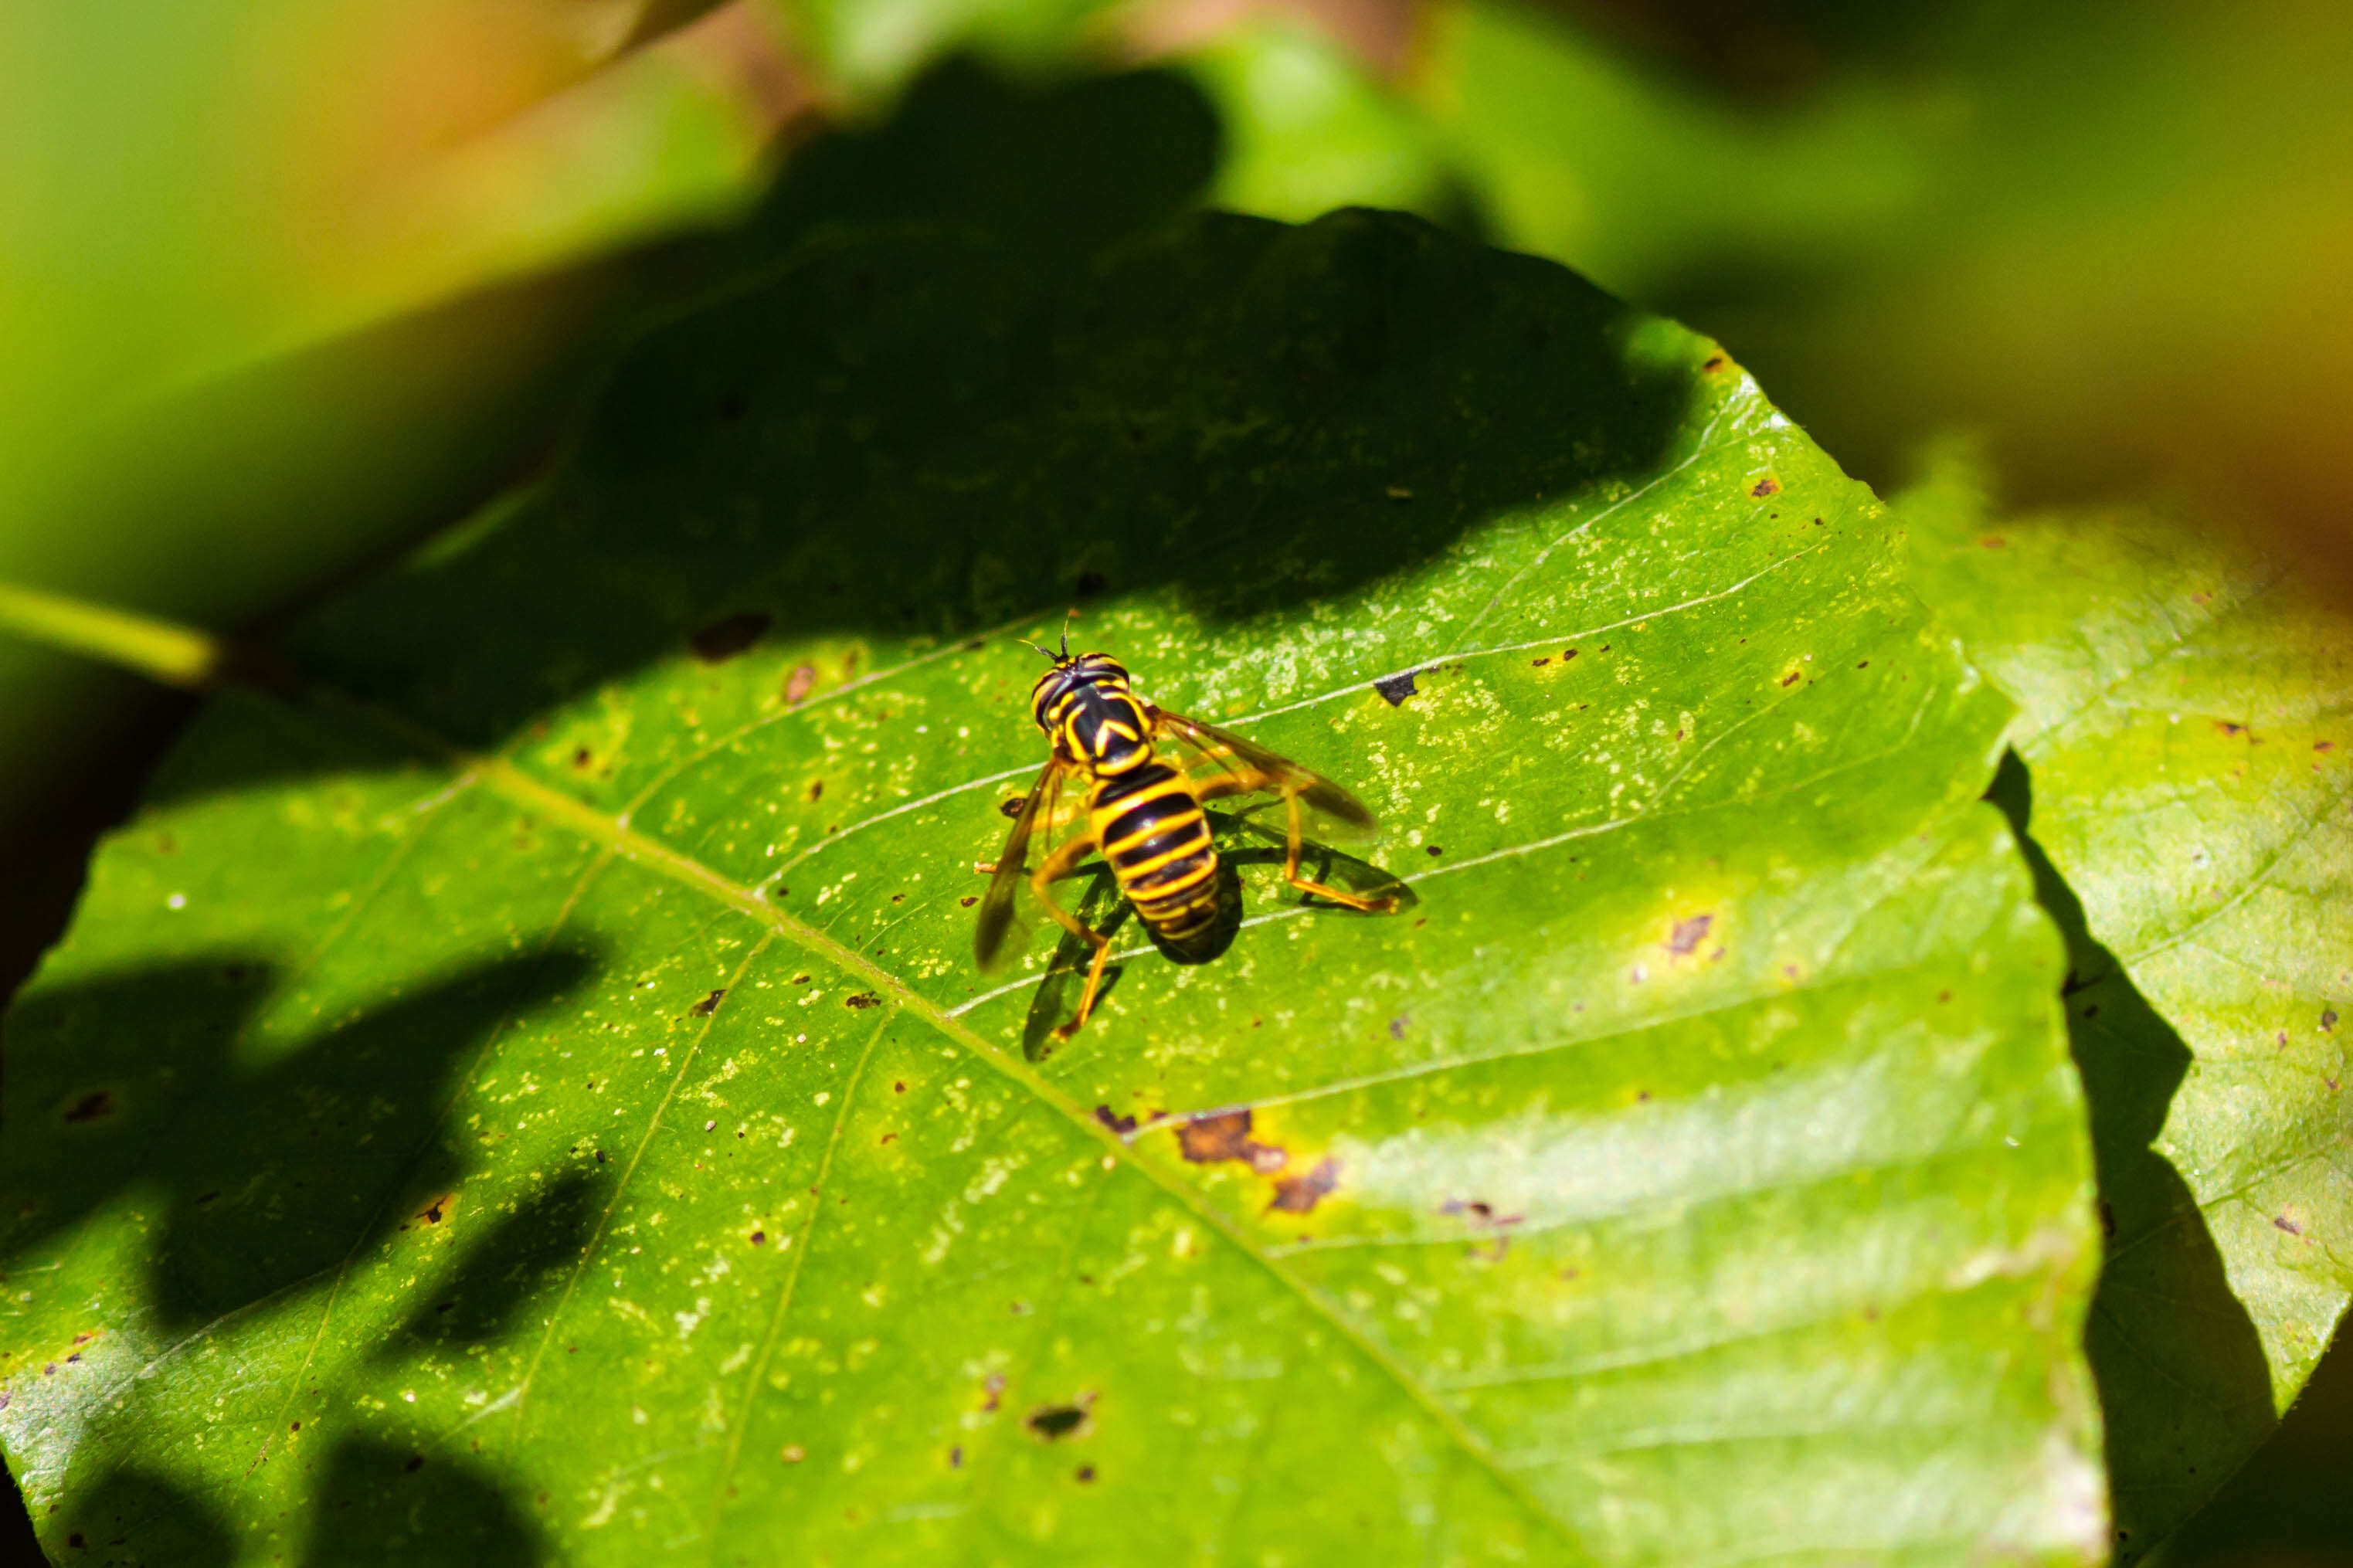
[
  {"x": 1013, "y": 866},
  {"x": 1227, "y": 764}
]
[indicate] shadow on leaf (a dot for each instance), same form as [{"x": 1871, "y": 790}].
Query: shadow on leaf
[
  {"x": 277, "y": 1160},
  {"x": 127, "y": 1518},
  {"x": 912, "y": 429},
  {"x": 382, "y": 1504},
  {"x": 2183, "y": 1384},
  {"x": 525, "y": 1255}
]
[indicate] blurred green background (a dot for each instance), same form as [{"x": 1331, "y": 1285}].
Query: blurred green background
[{"x": 290, "y": 286}]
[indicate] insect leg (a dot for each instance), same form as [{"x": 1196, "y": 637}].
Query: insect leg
[
  {"x": 1290, "y": 867},
  {"x": 1061, "y": 863}
]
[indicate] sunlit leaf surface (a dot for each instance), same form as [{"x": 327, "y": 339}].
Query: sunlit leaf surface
[
  {"x": 529, "y": 1094},
  {"x": 2186, "y": 726}
]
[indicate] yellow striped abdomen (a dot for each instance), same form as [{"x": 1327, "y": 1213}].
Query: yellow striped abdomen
[{"x": 1148, "y": 826}]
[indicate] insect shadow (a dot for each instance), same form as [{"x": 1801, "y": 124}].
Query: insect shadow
[{"x": 1245, "y": 838}]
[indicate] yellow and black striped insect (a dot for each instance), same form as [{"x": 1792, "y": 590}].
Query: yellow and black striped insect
[{"x": 1148, "y": 770}]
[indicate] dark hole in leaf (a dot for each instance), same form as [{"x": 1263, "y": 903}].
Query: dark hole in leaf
[
  {"x": 709, "y": 1004},
  {"x": 1054, "y": 1422},
  {"x": 92, "y": 1106},
  {"x": 1395, "y": 688}
]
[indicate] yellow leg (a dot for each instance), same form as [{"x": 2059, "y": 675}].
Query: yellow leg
[
  {"x": 1337, "y": 895},
  {"x": 1060, "y": 864}
]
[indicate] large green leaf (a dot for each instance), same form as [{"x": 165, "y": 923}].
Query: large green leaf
[
  {"x": 529, "y": 1093},
  {"x": 2186, "y": 727}
]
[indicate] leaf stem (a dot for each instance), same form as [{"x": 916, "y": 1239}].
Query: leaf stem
[{"x": 161, "y": 650}]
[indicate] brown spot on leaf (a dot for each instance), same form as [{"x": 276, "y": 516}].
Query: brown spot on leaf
[
  {"x": 862, "y": 999},
  {"x": 729, "y": 635},
  {"x": 1298, "y": 1194},
  {"x": 1715, "y": 362},
  {"x": 2230, "y": 728},
  {"x": 2287, "y": 1224},
  {"x": 1205, "y": 1139},
  {"x": 816, "y": 789},
  {"x": 1479, "y": 1212},
  {"x": 1992, "y": 542},
  {"x": 1689, "y": 932},
  {"x": 1010, "y": 808},
  {"x": 709, "y": 1004},
  {"x": 968, "y": 903},
  {"x": 415, "y": 1463},
  {"x": 759, "y": 1239},
  {"x": 92, "y": 1106},
  {"x": 1767, "y": 486},
  {"x": 1790, "y": 678},
  {"x": 438, "y": 1209},
  {"x": 798, "y": 684},
  {"x": 1123, "y": 1125},
  {"x": 580, "y": 758},
  {"x": 1086, "y": 1473},
  {"x": 1395, "y": 688},
  {"x": 1432, "y": 849}
]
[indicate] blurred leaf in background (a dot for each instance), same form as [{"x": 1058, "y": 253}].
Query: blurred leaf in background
[
  {"x": 2108, "y": 235},
  {"x": 288, "y": 283}
]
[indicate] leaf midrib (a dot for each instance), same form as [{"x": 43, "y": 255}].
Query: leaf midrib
[{"x": 510, "y": 783}]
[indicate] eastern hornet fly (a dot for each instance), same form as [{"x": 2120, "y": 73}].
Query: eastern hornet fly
[{"x": 1148, "y": 771}]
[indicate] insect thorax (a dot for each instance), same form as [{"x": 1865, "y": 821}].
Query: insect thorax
[{"x": 1095, "y": 721}]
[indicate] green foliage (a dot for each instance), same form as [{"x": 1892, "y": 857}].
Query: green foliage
[
  {"x": 2185, "y": 728},
  {"x": 289, "y": 285},
  {"x": 528, "y": 1092}
]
